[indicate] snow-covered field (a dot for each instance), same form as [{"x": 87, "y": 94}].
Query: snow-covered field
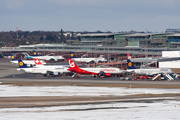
[
  {"x": 159, "y": 110},
  {"x": 12, "y": 91},
  {"x": 166, "y": 110}
]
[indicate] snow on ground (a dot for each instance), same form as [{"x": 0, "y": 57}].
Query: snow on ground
[
  {"x": 12, "y": 91},
  {"x": 159, "y": 110},
  {"x": 164, "y": 110}
]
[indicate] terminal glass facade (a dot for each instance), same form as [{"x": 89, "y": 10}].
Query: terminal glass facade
[
  {"x": 175, "y": 39},
  {"x": 96, "y": 38},
  {"x": 116, "y": 37}
]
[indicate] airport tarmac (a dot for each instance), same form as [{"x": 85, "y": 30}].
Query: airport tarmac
[{"x": 11, "y": 77}]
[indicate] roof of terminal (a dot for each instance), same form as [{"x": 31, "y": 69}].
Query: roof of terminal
[
  {"x": 42, "y": 45},
  {"x": 101, "y": 34},
  {"x": 123, "y": 34},
  {"x": 173, "y": 35},
  {"x": 144, "y": 34},
  {"x": 137, "y": 34}
]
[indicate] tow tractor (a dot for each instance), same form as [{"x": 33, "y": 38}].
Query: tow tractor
[{"x": 140, "y": 77}]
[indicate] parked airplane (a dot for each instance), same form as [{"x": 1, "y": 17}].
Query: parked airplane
[
  {"x": 106, "y": 72},
  {"x": 87, "y": 60},
  {"x": 39, "y": 64},
  {"x": 27, "y": 56},
  {"x": 46, "y": 70},
  {"x": 46, "y": 57},
  {"x": 29, "y": 63},
  {"x": 149, "y": 72}
]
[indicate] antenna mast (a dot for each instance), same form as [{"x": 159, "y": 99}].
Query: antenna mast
[{"x": 17, "y": 31}]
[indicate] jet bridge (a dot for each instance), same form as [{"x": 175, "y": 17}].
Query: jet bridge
[{"x": 167, "y": 76}]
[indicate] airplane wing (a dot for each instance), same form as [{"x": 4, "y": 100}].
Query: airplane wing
[
  {"x": 55, "y": 72},
  {"x": 168, "y": 59},
  {"x": 141, "y": 60}
]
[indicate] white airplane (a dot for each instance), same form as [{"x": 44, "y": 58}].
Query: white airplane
[
  {"x": 106, "y": 72},
  {"x": 50, "y": 58},
  {"x": 149, "y": 72},
  {"x": 44, "y": 70},
  {"x": 29, "y": 63},
  {"x": 38, "y": 63},
  {"x": 87, "y": 60}
]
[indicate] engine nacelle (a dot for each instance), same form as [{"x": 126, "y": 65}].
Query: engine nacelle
[
  {"x": 50, "y": 74},
  {"x": 60, "y": 73},
  {"x": 30, "y": 65},
  {"x": 102, "y": 73},
  {"x": 108, "y": 74},
  {"x": 55, "y": 73}
]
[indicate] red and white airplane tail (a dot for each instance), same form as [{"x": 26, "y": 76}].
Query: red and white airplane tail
[
  {"x": 128, "y": 56},
  {"x": 72, "y": 64},
  {"x": 37, "y": 61}
]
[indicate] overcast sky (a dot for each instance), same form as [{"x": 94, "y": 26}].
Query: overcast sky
[{"x": 89, "y": 15}]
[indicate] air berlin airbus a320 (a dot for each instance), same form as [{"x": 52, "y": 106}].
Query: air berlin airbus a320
[{"x": 106, "y": 72}]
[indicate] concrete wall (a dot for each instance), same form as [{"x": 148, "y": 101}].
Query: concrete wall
[
  {"x": 170, "y": 53},
  {"x": 174, "y": 65},
  {"x": 170, "y": 64}
]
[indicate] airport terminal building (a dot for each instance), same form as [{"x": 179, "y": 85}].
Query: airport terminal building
[
  {"x": 148, "y": 40},
  {"x": 121, "y": 43}
]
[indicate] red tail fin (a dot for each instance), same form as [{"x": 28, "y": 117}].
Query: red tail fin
[
  {"x": 37, "y": 61},
  {"x": 72, "y": 64},
  {"x": 128, "y": 56}
]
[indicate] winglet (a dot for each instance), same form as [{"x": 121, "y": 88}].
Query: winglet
[
  {"x": 130, "y": 64},
  {"x": 128, "y": 56},
  {"x": 27, "y": 56},
  {"x": 12, "y": 57},
  {"x": 21, "y": 64},
  {"x": 72, "y": 55},
  {"x": 37, "y": 61}
]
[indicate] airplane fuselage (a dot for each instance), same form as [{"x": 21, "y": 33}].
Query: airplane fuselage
[
  {"x": 49, "y": 57},
  {"x": 151, "y": 71},
  {"x": 43, "y": 70},
  {"x": 87, "y": 60},
  {"x": 96, "y": 71}
]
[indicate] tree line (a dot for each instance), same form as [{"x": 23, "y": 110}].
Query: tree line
[{"x": 13, "y": 38}]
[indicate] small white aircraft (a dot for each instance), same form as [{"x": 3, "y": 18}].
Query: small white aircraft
[
  {"x": 38, "y": 64},
  {"x": 29, "y": 63},
  {"x": 87, "y": 60},
  {"x": 149, "y": 72},
  {"x": 47, "y": 71},
  {"x": 50, "y": 58},
  {"x": 106, "y": 72}
]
